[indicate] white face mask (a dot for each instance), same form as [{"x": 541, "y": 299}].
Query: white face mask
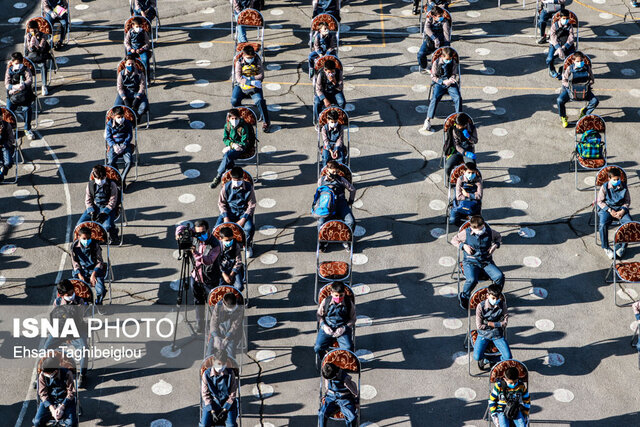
[
  {"x": 324, "y": 33},
  {"x": 234, "y": 122},
  {"x": 119, "y": 120},
  {"x": 470, "y": 175},
  {"x": 69, "y": 297},
  {"x": 100, "y": 182},
  {"x": 492, "y": 301},
  {"x": 564, "y": 21},
  {"x": 333, "y": 124},
  {"x": 217, "y": 367},
  {"x": 137, "y": 29},
  {"x": 249, "y": 60},
  {"x": 17, "y": 67},
  {"x": 235, "y": 183},
  {"x": 481, "y": 231}
]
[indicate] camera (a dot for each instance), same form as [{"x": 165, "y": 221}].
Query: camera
[{"x": 185, "y": 239}]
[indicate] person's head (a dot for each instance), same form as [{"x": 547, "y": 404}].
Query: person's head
[
  {"x": 330, "y": 67},
  {"x": 337, "y": 292},
  {"x": 447, "y": 54},
  {"x": 130, "y": 62},
  {"x": 333, "y": 167},
  {"x": 471, "y": 171},
  {"x": 323, "y": 28},
  {"x": 462, "y": 121},
  {"x": 219, "y": 360},
  {"x": 564, "y": 17},
  {"x": 511, "y": 377},
  {"x": 226, "y": 236},
  {"x": 493, "y": 294},
  {"x": 438, "y": 13},
  {"x": 615, "y": 177},
  {"x": 136, "y": 25},
  {"x": 33, "y": 27},
  {"x": 201, "y": 227},
  {"x": 50, "y": 366},
  {"x": 118, "y": 115},
  {"x": 16, "y": 60},
  {"x": 329, "y": 371},
  {"x": 65, "y": 287},
  {"x": 332, "y": 118},
  {"x": 99, "y": 173},
  {"x": 84, "y": 236},
  {"x": 477, "y": 224},
  {"x": 248, "y": 54},
  {"x": 233, "y": 116},
  {"x": 237, "y": 173},
  {"x": 578, "y": 60},
  {"x": 230, "y": 302}
]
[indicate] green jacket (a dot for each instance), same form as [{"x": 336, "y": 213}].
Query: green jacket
[{"x": 240, "y": 135}]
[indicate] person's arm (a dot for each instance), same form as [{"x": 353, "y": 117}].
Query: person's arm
[
  {"x": 350, "y": 188},
  {"x": 434, "y": 70},
  {"x": 110, "y": 141},
  {"x": 7, "y": 79},
  {"x": 457, "y": 143},
  {"x": 127, "y": 41},
  {"x": 446, "y": 29},
  {"x": 352, "y": 318},
  {"x": 459, "y": 239},
  {"x": 570, "y": 40},
  {"x": 28, "y": 77},
  {"x": 479, "y": 188},
  {"x": 213, "y": 322},
  {"x": 113, "y": 199},
  {"x": 340, "y": 135},
  {"x": 459, "y": 195},
  {"x": 238, "y": 71},
  {"x": 496, "y": 237},
  {"x": 204, "y": 390},
  {"x": 99, "y": 260},
  {"x": 211, "y": 257},
  {"x": 526, "y": 401},
  {"x": 46, "y": 7},
  {"x": 454, "y": 73},
  {"x": 259, "y": 69},
  {"x": 565, "y": 77},
  {"x": 11, "y": 136},
  {"x": 251, "y": 205},
  {"x": 147, "y": 42},
  {"x": 333, "y": 44},
  {"x": 242, "y": 134},
  {"x": 316, "y": 44},
  {"x": 592, "y": 80},
  {"x": 553, "y": 37},
  {"x": 74, "y": 258},
  {"x": 223, "y": 206},
  {"x": 320, "y": 312},
  {"x": 479, "y": 324},
  {"x": 319, "y": 87},
  {"x": 43, "y": 391},
  {"x": 233, "y": 391},
  {"x": 340, "y": 80},
  {"x": 325, "y": 137},
  {"x": 238, "y": 264},
  {"x": 494, "y": 398},
  {"x": 128, "y": 129},
  {"x": 428, "y": 30},
  {"x": 88, "y": 200},
  {"x": 351, "y": 385},
  {"x": 71, "y": 389},
  {"x": 120, "y": 86},
  {"x": 505, "y": 319},
  {"x": 473, "y": 134},
  {"x": 601, "y": 200},
  {"x": 627, "y": 201},
  {"x": 143, "y": 85}
]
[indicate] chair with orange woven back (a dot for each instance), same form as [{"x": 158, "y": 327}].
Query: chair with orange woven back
[
  {"x": 591, "y": 145},
  {"x": 335, "y": 319},
  {"x": 324, "y": 39},
  {"x": 219, "y": 380},
  {"x": 233, "y": 255},
  {"x": 627, "y": 272},
  {"x": 611, "y": 205},
  {"x": 509, "y": 402},
  {"x": 339, "y": 397},
  {"x": 331, "y": 141},
  {"x": 464, "y": 197},
  {"x": 248, "y": 19},
  {"x": 334, "y": 231},
  {"x": 57, "y": 375},
  {"x": 225, "y": 318},
  {"x": 10, "y": 145},
  {"x": 87, "y": 259},
  {"x": 329, "y": 201}
]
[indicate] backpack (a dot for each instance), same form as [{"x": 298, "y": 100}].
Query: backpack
[
  {"x": 512, "y": 408},
  {"x": 324, "y": 202},
  {"x": 590, "y": 145},
  {"x": 251, "y": 139},
  {"x": 470, "y": 207},
  {"x": 92, "y": 191}
]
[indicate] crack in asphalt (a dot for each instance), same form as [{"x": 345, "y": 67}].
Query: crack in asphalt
[{"x": 258, "y": 378}]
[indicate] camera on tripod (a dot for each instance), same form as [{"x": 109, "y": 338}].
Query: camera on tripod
[{"x": 185, "y": 239}]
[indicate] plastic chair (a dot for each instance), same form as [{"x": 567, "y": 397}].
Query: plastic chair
[
  {"x": 140, "y": 66},
  {"x": 601, "y": 179},
  {"x": 348, "y": 362},
  {"x": 9, "y": 117},
  {"x": 343, "y": 120},
  {"x": 590, "y": 122},
  {"x": 334, "y": 231},
  {"x": 100, "y": 235},
  {"x": 146, "y": 27},
  {"x": 497, "y": 373},
  {"x": 332, "y": 24},
  {"x": 131, "y": 116},
  {"x": 45, "y": 28},
  {"x": 625, "y": 272},
  {"x": 257, "y": 47},
  {"x": 233, "y": 366}
]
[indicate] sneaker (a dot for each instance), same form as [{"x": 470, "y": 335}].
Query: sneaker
[
  {"x": 266, "y": 127},
  {"x": 215, "y": 182},
  {"x": 464, "y": 302},
  {"x": 583, "y": 112},
  {"x": 101, "y": 309},
  {"x": 346, "y": 246},
  {"x": 29, "y": 134},
  {"x": 483, "y": 364},
  {"x": 249, "y": 251},
  {"x": 423, "y": 70},
  {"x": 620, "y": 251},
  {"x": 542, "y": 40},
  {"x": 565, "y": 122},
  {"x": 553, "y": 73},
  {"x": 635, "y": 4},
  {"x": 45, "y": 91},
  {"x": 323, "y": 247},
  {"x": 427, "y": 124},
  {"x": 416, "y": 10},
  {"x": 609, "y": 252}
]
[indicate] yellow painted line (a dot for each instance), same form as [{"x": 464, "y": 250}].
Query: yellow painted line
[
  {"x": 604, "y": 11},
  {"x": 384, "y": 42}
]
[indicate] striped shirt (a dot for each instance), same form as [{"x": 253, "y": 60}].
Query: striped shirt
[{"x": 498, "y": 397}]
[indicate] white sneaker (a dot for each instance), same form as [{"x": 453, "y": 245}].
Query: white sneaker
[
  {"x": 45, "y": 91},
  {"x": 620, "y": 251},
  {"x": 609, "y": 252},
  {"x": 249, "y": 252},
  {"x": 427, "y": 124},
  {"x": 29, "y": 134},
  {"x": 346, "y": 246}
]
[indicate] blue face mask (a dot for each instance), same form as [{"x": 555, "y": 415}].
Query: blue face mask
[
  {"x": 203, "y": 236},
  {"x": 229, "y": 243},
  {"x": 129, "y": 68},
  {"x": 447, "y": 61},
  {"x": 615, "y": 182},
  {"x": 471, "y": 176},
  {"x": 441, "y": 19},
  {"x": 85, "y": 242},
  {"x": 511, "y": 385},
  {"x": 579, "y": 64}
]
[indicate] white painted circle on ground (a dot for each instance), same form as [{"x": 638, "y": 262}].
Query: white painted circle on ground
[
  {"x": 348, "y": 67},
  {"x": 205, "y": 45},
  {"x": 407, "y": 13},
  {"x": 545, "y": 325},
  {"x": 276, "y": 26},
  {"x": 599, "y": 1},
  {"x": 505, "y": 154},
  {"x": 460, "y": 357},
  {"x": 267, "y": 230},
  {"x": 360, "y": 259},
  {"x": 448, "y": 292},
  {"x": 447, "y": 261},
  {"x": 633, "y": 326},
  {"x": 628, "y": 72},
  {"x": 590, "y": 181},
  {"x": 197, "y": 103},
  {"x": 359, "y": 231},
  {"x": 488, "y": 71},
  {"x": 430, "y": 154},
  {"x": 202, "y": 83},
  {"x": 268, "y": 149},
  {"x": 273, "y": 47},
  {"x": 437, "y": 205},
  {"x": 267, "y": 203},
  {"x": 3, "y": 280},
  {"x": 344, "y": 28},
  {"x": 169, "y": 353},
  {"x": 563, "y": 395},
  {"x": 635, "y": 92},
  {"x": 519, "y": 204},
  {"x": 353, "y": 128},
  {"x": 499, "y": 111},
  {"x": 208, "y": 10},
  {"x": 422, "y": 109},
  {"x": 277, "y": 12},
  {"x": 29, "y": 167},
  {"x": 15, "y": 220},
  {"x": 605, "y": 15},
  {"x": 269, "y": 175},
  {"x": 161, "y": 423},
  {"x": 267, "y": 321},
  {"x": 273, "y": 67},
  {"x": 361, "y": 289},
  {"x": 265, "y": 355},
  {"x": 490, "y": 90},
  {"x": 7, "y": 40},
  {"x": 175, "y": 285},
  {"x": 630, "y": 294},
  {"x": 46, "y": 123},
  {"x": 21, "y": 194},
  {"x": 193, "y": 148},
  {"x": 414, "y": 68},
  {"x": 527, "y": 233},
  {"x": 265, "y": 390},
  {"x": 349, "y": 107},
  {"x": 273, "y": 86},
  {"x": 82, "y": 7},
  {"x": 358, "y": 204},
  {"x": 187, "y": 198},
  {"x": 8, "y": 249},
  {"x": 14, "y": 20},
  {"x": 419, "y": 88},
  {"x": 554, "y": 359},
  {"x": 349, "y": 87},
  {"x": 206, "y": 24},
  {"x": 363, "y": 321},
  {"x": 612, "y": 33},
  {"x": 162, "y": 388},
  {"x": 482, "y": 51},
  {"x": 274, "y": 107},
  {"x": 19, "y": 5},
  {"x": 368, "y": 392},
  {"x": 465, "y": 394},
  {"x": 513, "y": 179},
  {"x": 364, "y": 355},
  {"x": 196, "y": 124},
  {"x": 269, "y": 259},
  {"x": 62, "y": 60},
  {"x": 620, "y": 52},
  {"x": 413, "y": 30},
  {"x": 52, "y": 101},
  {"x": 191, "y": 173},
  {"x": 532, "y": 261},
  {"x": 413, "y": 49},
  {"x": 452, "y": 323},
  {"x": 437, "y": 233},
  {"x": 203, "y": 62},
  {"x": 499, "y": 132},
  {"x": 473, "y": 14},
  {"x": 355, "y": 152},
  {"x": 538, "y": 293},
  {"x": 435, "y": 177},
  {"x": 345, "y": 48},
  {"x": 267, "y": 289}
]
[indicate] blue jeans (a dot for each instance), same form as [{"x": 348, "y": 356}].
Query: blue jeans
[
  {"x": 312, "y": 61},
  {"x": 126, "y": 155},
  {"x": 472, "y": 272},
  {"x": 564, "y": 97},
  {"x": 78, "y": 343},
  {"x": 331, "y": 404},
  {"x": 481, "y": 345},
  {"x": 249, "y": 228},
  {"x": 428, "y": 47},
  {"x": 8, "y": 154},
  {"x": 64, "y": 22},
  {"x": 438, "y": 92},
  {"x": 27, "y": 112},
  {"x": 324, "y": 341},
  {"x": 551, "y": 58},
  {"x": 604, "y": 221},
  {"x": 343, "y": 213},
  {"x": 232, "y": 415},
  {"x": 326, "y": 156},
  {"x": 518, "y": 422},
  {"x": 43, "y": 415},
  {"x": 141, "y": 101},
  {"x": 543, "y": 17},
  {"x": 107, "y": 224},
  {"x": 242, "y": 33},
  {"x": 457, "y": 216},
  {"x": 334, "y": 98},
  {"x": 228, "y": 161},
  {"x": 100, "y": 288},
  {"x": 237, "y": 95}
]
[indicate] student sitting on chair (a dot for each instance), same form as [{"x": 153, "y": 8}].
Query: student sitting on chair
[
  {"x": 613, "y": 203},
  {"x": 468, "y": 200},
  {"x": 324, "y": 43},
  {"x": 39, "y": 51},
  {"x": 332, "y": 139},
  {"x": 509, "y": 400},
  {"x": 7, "y": 148},
  {"x": 444, "y": 77},
  {"x": 342, "y": 394},
  {"x": 491, "y": 320},
  {"x": 336, "y": 316}
]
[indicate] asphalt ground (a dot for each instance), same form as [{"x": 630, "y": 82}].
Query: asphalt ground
[{"x": 415, "y": 373}]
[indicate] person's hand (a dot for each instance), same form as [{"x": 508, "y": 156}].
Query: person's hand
[
  {"x": 339, "y": 332},
  {"x": 334, "y": 154},
  {"x": 468, "y": 249},
  {"x": 560, "y": 53},
  {"x": 81, "y": 277},
  {"x": 436, "y": 43},
  {"x": 226, "y": 277},
  {"x": 326, "y": 102},
  {"x": 464, "y": 193},
  {"x": 225, "y": 149},
  {"x": 93, "y": 279},
  {"x": 226, "y": 219},
  {"x": 236, "y": 146},
  {"x": 101, "y": 217},
  {"x": 243, "y": 81},
  {"x": 59, "y": 412},
  {"x": 491, "y": 324},
  {"x": 52, "y": 409},
  {"x": 242, "y": 222},
  {"x": 327, "y": 329},
  {"x": 492, "y": 249},
  {"x": 214, "y": 417}
]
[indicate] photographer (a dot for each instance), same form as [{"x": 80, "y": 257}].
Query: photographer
[
  {"x": 101, "y": 201},
  {"x": 205, "y": 275}
]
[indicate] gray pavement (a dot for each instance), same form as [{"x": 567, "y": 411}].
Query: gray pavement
[{"x": 416, "y": 373}]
